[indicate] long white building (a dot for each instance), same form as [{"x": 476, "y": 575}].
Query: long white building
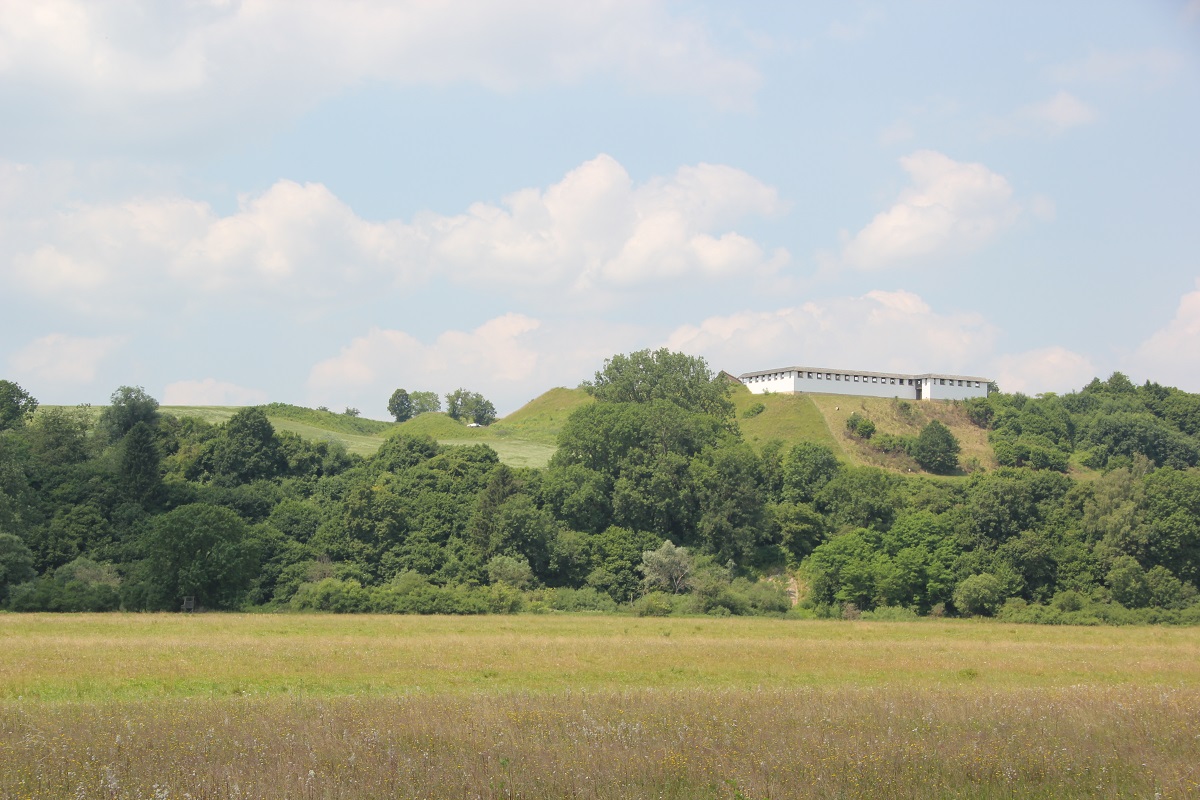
[{"x": 823, "y": 380}]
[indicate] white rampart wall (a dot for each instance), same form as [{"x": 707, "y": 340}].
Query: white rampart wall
[{"x": 865, "y": 384}]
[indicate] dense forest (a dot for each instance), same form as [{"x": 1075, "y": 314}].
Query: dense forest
[{"x": 653, "y": 502}]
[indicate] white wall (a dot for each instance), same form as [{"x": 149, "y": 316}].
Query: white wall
[{"x": 864, "y": 385}]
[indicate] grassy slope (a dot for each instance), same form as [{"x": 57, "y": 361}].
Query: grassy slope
[
  {"x": 889, "y": 417},
  {"x": 527, "y": 436}
]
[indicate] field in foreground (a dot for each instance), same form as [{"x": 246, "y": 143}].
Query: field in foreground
[{"x": 573, "y": 706}]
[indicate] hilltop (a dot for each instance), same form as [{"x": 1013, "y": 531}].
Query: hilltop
[{"x": 528, "y": 436}]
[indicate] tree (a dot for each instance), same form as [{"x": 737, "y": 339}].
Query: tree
[
  {"x": 16, "y": 406},
  {"x": 859, "y": 426},
  {"x": 669, "y": 569},
  {"x": 936, "y": 449},
  {"x": 202, "y": 551},
  {"x": 979, "y": 594},
  {"x": 425, "y": 402},
  {"x": 470, "y": 406},
  {"x": 140, "y": 464},
  {"x": 246, "y": 449},
  {"x": 129, "y": 406},
  {"x": 400, "y": 406},
  {"x": 663, "y": 375},
  {"x": 16, "y": 563}
]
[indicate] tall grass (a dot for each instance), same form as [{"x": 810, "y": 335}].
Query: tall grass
[
  {"x": 265, "y": 706},
  {"x": 802, "y": 743}
]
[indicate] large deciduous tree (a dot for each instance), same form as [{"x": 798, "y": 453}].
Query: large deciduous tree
[
  {"x": 202, "y": 551},
  {"x": 936, "y": 449},
  {"x": 663, "y": 375},
  {"x": 400, "y": 406},
  {"x": 129, "y": 406},
  {"x": 471, "y": 407},
  {"x": 16, "y": 405}
]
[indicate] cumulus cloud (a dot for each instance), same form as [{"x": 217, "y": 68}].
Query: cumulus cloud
[
  {"x": 1046, "y": 369},
  {"x": 145, "y": 69},
  {"x": 1171, "y": 356},
  {"x": 593, "y": 229},
  {"x": 211, "y": 392},
  {"x": 879, "y": 330},
  {"x": 951, "y": 207},
  {"x": 511, "y": 359},
  {"x": 62, "y": 360},
  {"x": 495, "y": 354}
]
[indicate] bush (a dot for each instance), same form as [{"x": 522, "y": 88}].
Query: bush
[
  {"x": 654, "y": 604},
  {"x": 979, "y": 594},
  {"x": 586, "y": 599},
  {"x": 891, "y": 614},
  {"x": 859, "y": 426},
  {"x": 753, "y": 411},
  {"x": 332, "y": 594}
]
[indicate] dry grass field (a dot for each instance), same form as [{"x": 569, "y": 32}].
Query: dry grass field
[{"x": 223, "y": 706}]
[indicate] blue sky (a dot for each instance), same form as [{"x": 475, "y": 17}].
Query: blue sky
[{"x": 313, "y": 202}]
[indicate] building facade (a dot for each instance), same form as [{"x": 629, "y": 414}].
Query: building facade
[{"x": 822, "y": 380}]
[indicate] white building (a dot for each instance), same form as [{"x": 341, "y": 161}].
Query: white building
[{"x": 792, "y": 380}]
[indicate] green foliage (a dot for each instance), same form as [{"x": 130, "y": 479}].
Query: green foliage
[
  {"x": 202, "y": 551},
  {"x": 859, "y": 426},
  {"x": 513, "y": 570},
  {"x": 936, "y": 449},
  {"x": 981, "y": 594},
  {"x": 400, "y": 405},
  {"x": 129, "y": 405},
  {"x": 655, "y": 604},
  {"x": 16, "y": 563},
  {"x": 470, "y": 407},
  {"x": 646, "y": 376},
  {"x": 667, "y": 569},
  {"x": 806, "y": 471},
  {"x": 753, "y": 411},
  {"x": 82, "y": 585},
  {"x": 425, "y": 403},
  {"x": 17, "y": 406}
]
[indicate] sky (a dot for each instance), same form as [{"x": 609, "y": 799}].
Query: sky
[{"x": 232, "y": 203}]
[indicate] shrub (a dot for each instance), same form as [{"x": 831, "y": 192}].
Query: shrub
[
  {"x": 859, "y": 426},
  {"x": 979, "y": 594},
  {"x": 654, "y": 604},
  {"x": 586, "y": 599},
  {"x": 753, "y": 411},
  {"x": 332, "y": 594}
]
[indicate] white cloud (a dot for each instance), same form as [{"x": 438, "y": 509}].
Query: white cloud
[
  {"x": 596, "y": 228},
  {"x": 1171, "y": 356},
  {"x": 211, "y": 392},
  {"x": 510, "y": 359},
  {"x": 951, "y": 207},
  {"x": 1047, "y": 369},
  {"x": 879, "y": 330},
  {"x": 62, "y": 360},
  {"x": 1056, "y": 115},
  {"x": 593, "y": 229},
  {"x": 493, "y": 355},
  {"x": 142, "y": 69}
]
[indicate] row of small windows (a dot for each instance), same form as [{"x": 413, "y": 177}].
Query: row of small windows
[{"x": 834, "y": 376}]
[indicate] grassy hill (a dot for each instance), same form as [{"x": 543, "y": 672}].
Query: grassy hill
[
  {"x": 822, "y": 418},
  {"x": 528, "y": 436}
]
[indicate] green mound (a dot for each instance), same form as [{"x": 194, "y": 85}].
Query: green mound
[
  {"x": 541, "y": 419},
  {"x": 790, "y": 418}
]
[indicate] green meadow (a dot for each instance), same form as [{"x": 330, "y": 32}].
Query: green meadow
[{"x": 227, "y": 705}]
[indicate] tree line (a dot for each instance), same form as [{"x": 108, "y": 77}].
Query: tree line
[{"x": 653, "y": 502}]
